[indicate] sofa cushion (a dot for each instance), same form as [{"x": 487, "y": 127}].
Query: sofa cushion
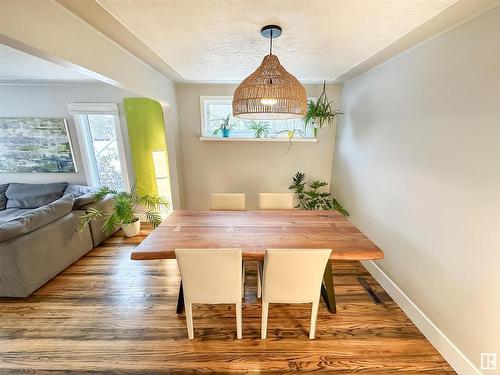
[
  {"x": 84, "y": 199},
  {"x": 12, "y": 213},
  {"x": 33, "y": 195},
  {"x": 83, "y": 194},
  {"x": 34, "y": 219},
  {"x": 78, "y": 190},
  {"x": 3, "y": 198}
]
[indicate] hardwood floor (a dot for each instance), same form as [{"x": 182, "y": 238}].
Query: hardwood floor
[{"x": 109, "y": 314}]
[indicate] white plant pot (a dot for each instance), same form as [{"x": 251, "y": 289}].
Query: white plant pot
[{"x": 131, "y": 230}]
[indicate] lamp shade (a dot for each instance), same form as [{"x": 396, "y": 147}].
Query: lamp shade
[{"x": 270, "y": 93}]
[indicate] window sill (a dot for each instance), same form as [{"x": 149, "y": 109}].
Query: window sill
[{"x": 234, "y": 139}]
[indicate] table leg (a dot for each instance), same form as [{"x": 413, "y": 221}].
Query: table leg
[
  {"x": 180, "y": 300},
  {"x": 327, "y": 288}
]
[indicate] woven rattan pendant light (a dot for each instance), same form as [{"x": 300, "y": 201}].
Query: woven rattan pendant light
[{"x": 270, "y": 92}]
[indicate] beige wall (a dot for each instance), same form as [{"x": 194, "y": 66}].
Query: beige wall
[
  {"x": 417, "y": 163},
  {"x": 246, "y": 167}
]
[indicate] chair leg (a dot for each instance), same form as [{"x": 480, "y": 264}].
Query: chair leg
[
  {"x": 259, "y": 280},
  {"x": 243, "y": 280},
  {"x": 263, "y": 328},
  {"x": 189, "y": 319},
  {"x": 314, "y": 317},
  {"x": 239, "y": 325}
]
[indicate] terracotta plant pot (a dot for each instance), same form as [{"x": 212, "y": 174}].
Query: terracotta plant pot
[{"x": 132, "y": 229}]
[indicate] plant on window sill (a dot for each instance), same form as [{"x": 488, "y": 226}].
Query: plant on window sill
[
  {"x": 291, "y": 134},
  {"x": 260, "y": 130},
  {"x": 311, "y": 198},
  {"x": 320, "y": 112},
  {"x": 224, "y": 126},
  {"x": 124, "y": 211}
]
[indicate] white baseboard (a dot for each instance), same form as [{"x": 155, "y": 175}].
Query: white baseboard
[{"x": 460, "y": 363}]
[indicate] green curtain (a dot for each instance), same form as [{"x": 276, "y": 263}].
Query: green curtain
[{"x": 146, "y": 132}]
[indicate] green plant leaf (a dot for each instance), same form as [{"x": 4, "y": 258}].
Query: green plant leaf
[
  {"x": 153, "y": 217},
  {"x": 91, "y": 214},
  {"x": 318, "y": 184},
  {"x": 124, "y": 209},
  {"x": 320, "y": 112},
  {"x": 312, "y": 198},
  {"x": 111, "y": 223},
  {"x": 103, "y": 192}
]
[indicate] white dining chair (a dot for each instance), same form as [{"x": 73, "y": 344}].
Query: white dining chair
[
  {"x": 293, "y": 276},
  {"x": 275, "y": 201},
  {"x": 227, "y": 202},
  {"x": 232, "y": 202},
  {"x": 272, "y": 201},
  {"x": 202, "y": 285}
]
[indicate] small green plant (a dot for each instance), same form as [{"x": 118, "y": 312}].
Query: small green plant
[
  {"x": 124, "y": 209},
  {"x": 261, "y": 130},
  {"x": 320, "y": 112},
  {"x": 290, "y": 135},
  {"x": 224, "y": 125},
  {"x": 311, "y": 198}
]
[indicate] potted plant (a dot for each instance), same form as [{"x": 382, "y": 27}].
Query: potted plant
[
  {"x": 310, "y": 197},
  {"x": 124, "y": 211},
  {"x": 320, "y": 112},
  {"x": 224, "y": 126},
  {"x": 260, "y": 129}
]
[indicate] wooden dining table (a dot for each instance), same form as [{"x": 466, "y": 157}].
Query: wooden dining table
[{"x": 254, "y": 232}]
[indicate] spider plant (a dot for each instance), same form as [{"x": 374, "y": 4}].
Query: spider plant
[
  {"x": 310, "y": 197},
  {"x": 124, "y": 210},
  {"x": 224, "y": 125},
  {"x": 261, "y": 130},
  {"x": 320, "y": 112},
  {"x": 291, "y": 134}
]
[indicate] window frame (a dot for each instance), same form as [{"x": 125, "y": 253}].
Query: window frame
[
  {"x": 84, "y": 140},
  {"x": 209, "y": 137}
]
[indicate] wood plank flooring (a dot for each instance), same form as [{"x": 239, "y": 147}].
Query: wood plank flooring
[{"x": 109, "y": 314}]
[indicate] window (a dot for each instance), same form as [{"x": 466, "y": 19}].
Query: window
[
  {"x": 215, "y": 109},
  {"x": 101, "y": 144}
]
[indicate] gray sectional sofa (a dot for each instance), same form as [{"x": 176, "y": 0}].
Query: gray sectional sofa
[{"x": 41, "y": 234}]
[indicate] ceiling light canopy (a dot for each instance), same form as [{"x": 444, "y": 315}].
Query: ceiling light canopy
[{"x": 270, "y": 92}]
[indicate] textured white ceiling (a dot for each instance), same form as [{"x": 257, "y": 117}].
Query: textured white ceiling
[
  {"x": 219, "y": 40},
  {"x": 20, "y": 66}
]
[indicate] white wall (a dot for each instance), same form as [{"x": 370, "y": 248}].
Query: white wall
[
  {"x": 417, "y": 163},
  {"x": 50, "y": 100},
  {"x": 246, "y": 167}
]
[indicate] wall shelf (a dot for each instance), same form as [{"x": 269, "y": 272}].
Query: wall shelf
[{"x": 230, "y": 139}]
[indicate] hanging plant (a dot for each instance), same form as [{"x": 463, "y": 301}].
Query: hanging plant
[{"x": 320, "y": 112}]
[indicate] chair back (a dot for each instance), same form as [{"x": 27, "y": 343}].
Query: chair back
[
  {"x": 227, "y": 202},
  {"x": 210, "y": 275},
  {"x": 294, "y": 275},
  {"x": 275, "y": 201}
]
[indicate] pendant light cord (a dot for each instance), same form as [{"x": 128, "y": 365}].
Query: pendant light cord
[{"x": 271, "y": 43}]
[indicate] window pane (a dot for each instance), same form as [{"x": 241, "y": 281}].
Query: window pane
[
  {"x": 105, "y": 147},
  {"x": 217, "y": 110}
]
